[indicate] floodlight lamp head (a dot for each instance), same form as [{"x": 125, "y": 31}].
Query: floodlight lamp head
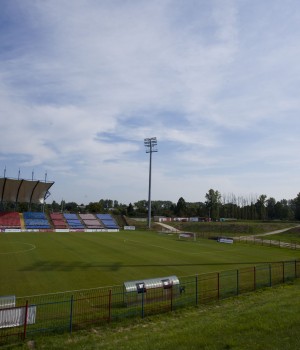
[{"x": 150, "y": 144}]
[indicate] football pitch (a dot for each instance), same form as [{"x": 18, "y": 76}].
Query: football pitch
[{"x": 49, "y": 262}]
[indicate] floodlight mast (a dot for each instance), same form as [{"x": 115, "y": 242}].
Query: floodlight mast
[{"x": 151, "y": 146}]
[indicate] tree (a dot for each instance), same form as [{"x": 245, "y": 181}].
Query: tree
[
  {"x": 213, "y": 203},
  {"x": 201, "y": 209},
  {"x": 54, "y": 207},
  {"x": 296, "y": 205},
  {"x": 260, "y": 207},
  {"x": 94, "y": 207},
  {"x": 106, "y": 204},
  {"x": 130, "y": 210},
  {"x": 181, "y": 209},
  {"x": 283, "y": 210},
  {"x": 192, "y": 209},
  {"x": 271, "y": 214},
  {"x": 163, "y": 208},
  {"x": 141, "y": 208},
  {"x": 72, "y": 207}
]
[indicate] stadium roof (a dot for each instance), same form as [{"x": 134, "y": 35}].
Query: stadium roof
[{"x": 24, "y": 191}]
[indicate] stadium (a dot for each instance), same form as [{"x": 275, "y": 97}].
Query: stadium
[
  {"x": 62, "y": 272},
  {"x": 36, "y": 192}
]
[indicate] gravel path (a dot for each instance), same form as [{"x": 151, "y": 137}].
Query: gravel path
[{"x": 258, "y": 240}]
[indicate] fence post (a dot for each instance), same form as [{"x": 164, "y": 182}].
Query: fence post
[
  {"x": 71, "y": 314},
  {"x": 109, "y": 305},
  {"x": 218, "y": 285},
  {"x": 196, "y": 289},
  {"x": 123, "y": 294},
  {"x": 25, "y": 320},
  {"x": 143, "y": 314}
]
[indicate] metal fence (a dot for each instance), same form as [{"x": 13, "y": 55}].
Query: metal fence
[
  {"x": 74, "y": 310},
  {"x": 268, "y": 242}
]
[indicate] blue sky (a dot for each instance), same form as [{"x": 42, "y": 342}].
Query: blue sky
[{"x": 83, "y": 82}]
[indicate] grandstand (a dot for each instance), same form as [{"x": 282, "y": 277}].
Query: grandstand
[
  {"x": 73, "y": 221},
  {"x": 35, "y": 220},
  {"x": 10, "y": 220},
  {"x": 40, "y": 221},
  {"x": 36, "y": 192},
  {"x": 108, "y": 221},
  {"x": 58, "y": 221},
  {"x": 90, "y": 221}
]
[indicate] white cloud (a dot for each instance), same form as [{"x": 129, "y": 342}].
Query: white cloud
[{"x": 83, "y": 83}]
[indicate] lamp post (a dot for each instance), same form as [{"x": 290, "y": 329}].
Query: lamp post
[{"x": 151, "y": 146}]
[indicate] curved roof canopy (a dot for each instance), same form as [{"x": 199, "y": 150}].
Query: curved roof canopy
[{"x": 24, "y": 191}]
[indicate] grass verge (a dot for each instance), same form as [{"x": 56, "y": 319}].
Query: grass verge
[{"x": 267, "y": 319}]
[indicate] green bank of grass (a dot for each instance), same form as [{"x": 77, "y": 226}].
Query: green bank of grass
[
  {"x": 268, "y": 320},
  {"x": 232, "y": 229},
  {"x": 290, "y": 236},
  {"x": 41, "y": 263}
]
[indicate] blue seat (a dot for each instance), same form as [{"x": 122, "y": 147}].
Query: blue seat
[
  {"x": 108, "y": 221},
  {"x": 36, "y": 220}
]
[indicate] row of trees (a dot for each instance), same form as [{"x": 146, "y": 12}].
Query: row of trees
[
  {"x": 252, "y": 208},
  {"x": 215, "y": 206}
]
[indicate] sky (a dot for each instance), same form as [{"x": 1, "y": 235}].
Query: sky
[{"x": 217, "y": 82}]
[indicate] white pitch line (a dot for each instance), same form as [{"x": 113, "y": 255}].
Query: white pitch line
[{"x": 32, "y": 247}]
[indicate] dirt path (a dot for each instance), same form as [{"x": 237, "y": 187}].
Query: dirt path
[
  {"x": 255, "y": 239},
  {"x": 168, "y": 227},
  {"x": 278, "y": 231},
  {"x": 266, "y": 234}
]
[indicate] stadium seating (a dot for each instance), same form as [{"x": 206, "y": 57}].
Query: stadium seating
[
  {"x": 10, "y": 220},
  {"x": 35, "y": 220},
  {"x": 58, "y": 221},
  {"x": 107, "y": 220},
  {"x": 73, "y": 221},
  {"x": 90, "y": 221},
  {"x": 39, "y": 220}
]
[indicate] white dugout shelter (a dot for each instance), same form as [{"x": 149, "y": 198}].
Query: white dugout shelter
[{"x": 161, "y": 288}]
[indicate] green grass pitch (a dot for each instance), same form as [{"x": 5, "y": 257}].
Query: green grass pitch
[{"x": 41, "y": 263}]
